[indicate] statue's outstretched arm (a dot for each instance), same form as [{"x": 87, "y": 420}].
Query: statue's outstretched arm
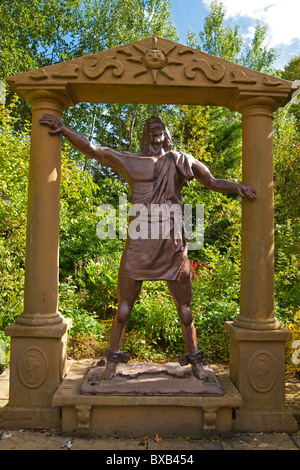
[
  {"x": 204, "y": 176},
  {"x": 78, "y": 141}
]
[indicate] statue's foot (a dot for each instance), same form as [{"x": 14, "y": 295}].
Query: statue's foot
[
  {"x": 199, "y": 372},
  {"x": 109, "y": 371},
  {"x": 114, "y": 358},
  {"x": 196, "y": 359}
]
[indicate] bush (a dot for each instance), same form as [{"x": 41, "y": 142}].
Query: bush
[
  {"x": 215, "y": 300},
  {"x": 154, "y": 319},
  {"x": 97, "y": 283},
  {"x": 14, "y": 163},
  {"x": 287, "y": 284},
  {"x": 292, "y": 357},
  {"x": 83, "y": 322}
]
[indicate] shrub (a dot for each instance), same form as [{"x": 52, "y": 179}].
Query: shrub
[{"x": 292, "y": 357}]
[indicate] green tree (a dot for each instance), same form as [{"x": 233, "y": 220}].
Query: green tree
[
  {"x": 257, "y": 55},
  {"x": 286, "y": 165},
  {"x": 287, "y": 211},
  {"x": 216, "y": 38},
  {"x": 39, "y": 33},
  {"x": 292, "y": 69},
  {"x": 14, "y": 162},
  {"x": 292, "y": 72},
  {"x": 226, "y": 41}
]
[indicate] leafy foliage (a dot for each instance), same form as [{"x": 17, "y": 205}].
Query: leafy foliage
[
  {"x": 38, "y": 33},
  {"x": 226, "y": 41},
  {"x": 14, "y": 162},
  {"x": 216, "y": 38}
]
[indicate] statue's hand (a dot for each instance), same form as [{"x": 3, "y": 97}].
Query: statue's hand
[
  {"x": 53, "y": 122},
  {"x": 244, "y": 190}
]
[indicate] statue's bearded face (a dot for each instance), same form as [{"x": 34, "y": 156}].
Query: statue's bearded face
[{"x": 155, "y": 133}]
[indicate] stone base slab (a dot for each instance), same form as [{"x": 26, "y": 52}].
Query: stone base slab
[
  {"x": 143, "y": 415},
  {"x": 138, "y": 378}
]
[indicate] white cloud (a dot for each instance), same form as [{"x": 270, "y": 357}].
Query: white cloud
[{"x": 282, "y": 16}]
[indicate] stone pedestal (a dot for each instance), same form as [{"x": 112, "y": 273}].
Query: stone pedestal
[
  {"x": 171, "y": 415},
  {"x": 37, "y": 367},
  {"x": 257, "y": 369}
]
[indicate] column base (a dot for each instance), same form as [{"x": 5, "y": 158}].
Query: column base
[
  {"x": 256, "y": 324},
  {"x": 257, "y": 369},
  {"x": 264, "y": 421},
  {"x": 40, "y": 319},
  {"x": 37, "y": 367},
  {"x": 16, "y": 417}
]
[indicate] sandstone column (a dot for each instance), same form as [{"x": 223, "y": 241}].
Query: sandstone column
[
  {"x": 257, "y": 269},
  {"x": 42, "y": 244},
  {"x": 38, "y": 338}
]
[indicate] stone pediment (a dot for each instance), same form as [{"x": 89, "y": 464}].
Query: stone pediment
[{"x": 153, "y": 70}]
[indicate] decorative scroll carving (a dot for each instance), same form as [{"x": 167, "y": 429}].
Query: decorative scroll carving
[
  {"x": 185, "y": 50},
  {"x": 40, "y": 74},
  {"x": 67, "y": 71},
  {"x": 94, "y": 68},
  {"x": 269, "y": 82},
  {"x": 215, "y": 72},
  {"x": 262, "y": 372},
  {"x": 125, "y": 50},
  {"x": 239, "y": 76},
  {"x": 33, "y": 367}
]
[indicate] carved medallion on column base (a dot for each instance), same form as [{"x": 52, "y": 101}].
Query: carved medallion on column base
[{"x": 257, "y": 369}]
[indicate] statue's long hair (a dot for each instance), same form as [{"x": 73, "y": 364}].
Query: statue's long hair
[{"x": 168, "y": 139}]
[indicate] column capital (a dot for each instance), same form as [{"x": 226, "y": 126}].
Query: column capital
[
  {"x": 247, "y": 104},
  {"x": 57, "y": 98}
]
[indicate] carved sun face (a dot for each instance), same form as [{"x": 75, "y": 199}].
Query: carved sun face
[{"x": 154, "y": 61}]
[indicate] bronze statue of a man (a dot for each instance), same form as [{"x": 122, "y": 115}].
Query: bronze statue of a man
[{"x": 155, "y": 175}]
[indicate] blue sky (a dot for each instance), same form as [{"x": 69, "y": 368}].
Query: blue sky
[{"x": 281, "y": 16}]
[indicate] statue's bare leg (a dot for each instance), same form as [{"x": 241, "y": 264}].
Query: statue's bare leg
[
  {"x": 181, "y": 291},
  {"x": 128, "y": 290}
]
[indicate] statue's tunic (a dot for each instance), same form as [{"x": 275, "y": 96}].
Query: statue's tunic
[{"x": 152, "y": 250}]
